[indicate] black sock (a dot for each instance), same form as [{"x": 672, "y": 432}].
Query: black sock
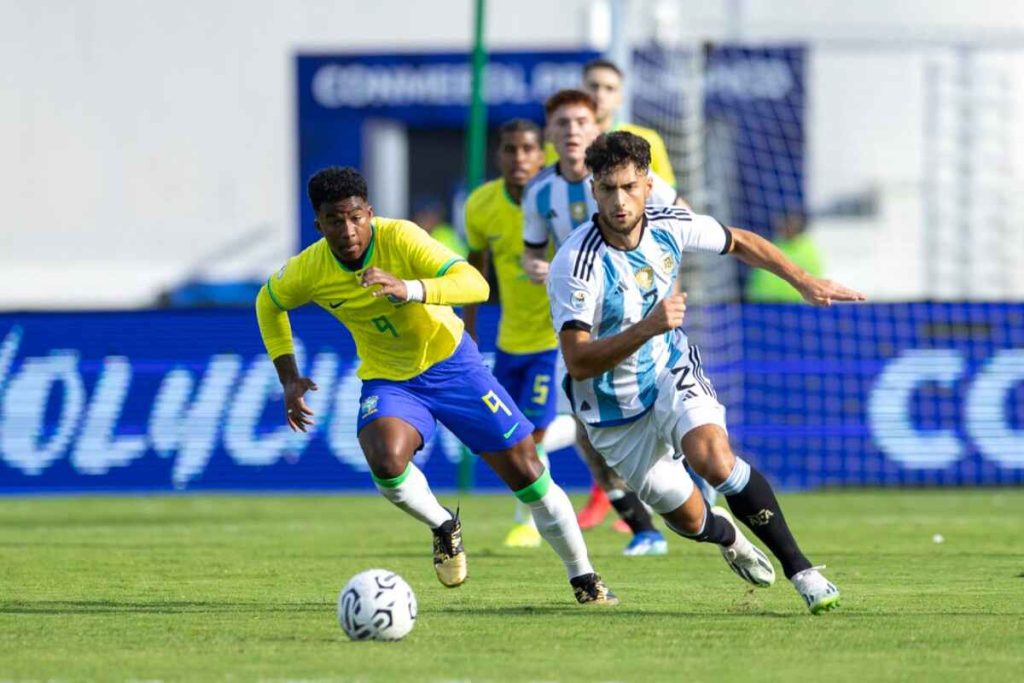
[
  {"x": 632, "y": 511},
  {"x": 757, "y": 507},
  {"x": 716, "y": 530}
]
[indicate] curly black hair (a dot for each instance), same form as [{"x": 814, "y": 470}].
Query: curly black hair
[
  {"x": 334, "y": 184},
  {"x": 612, "y": 150}
]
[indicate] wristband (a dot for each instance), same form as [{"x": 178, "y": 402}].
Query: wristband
[{"x": 414, "y": 290}]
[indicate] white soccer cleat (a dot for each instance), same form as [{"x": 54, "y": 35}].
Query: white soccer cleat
[
  {"x": 745, "y": 558},
  {"x": 820, "y": 594}
]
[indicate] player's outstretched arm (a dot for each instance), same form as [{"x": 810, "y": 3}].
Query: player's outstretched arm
[
  {"x": 297, "y": 413},
  {"x": 758, "y": 252},
  {"x": 276, "y": 331}
]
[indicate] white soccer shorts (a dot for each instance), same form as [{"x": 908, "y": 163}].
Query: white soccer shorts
[{"x": 647, "y": 452}]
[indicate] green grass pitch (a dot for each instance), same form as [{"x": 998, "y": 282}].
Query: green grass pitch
[{"x": 209, "y": 587}]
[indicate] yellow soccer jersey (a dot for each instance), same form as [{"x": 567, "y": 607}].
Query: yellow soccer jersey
[
  {"x": 660, "y": 163},
  {"x": 495, "y": 222},
  {"x": 394, "y": 341}
]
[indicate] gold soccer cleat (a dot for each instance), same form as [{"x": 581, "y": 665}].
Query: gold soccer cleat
[{"x": 449, "y": 556}]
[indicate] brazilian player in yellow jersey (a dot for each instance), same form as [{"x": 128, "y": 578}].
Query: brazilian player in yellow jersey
[
  {"x": 393, "y": 286},
  {"x": 526, "y": 346},
  {"x": 602, "y": 79}
]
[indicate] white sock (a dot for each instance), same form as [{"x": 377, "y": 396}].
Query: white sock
[
  {"x": 561, "y": 433},
  {"x": 411, "y": 492},
  {"x": 556, "y": 522},
  {"x": 522, "y": 514}
]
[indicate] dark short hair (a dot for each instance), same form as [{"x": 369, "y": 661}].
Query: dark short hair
[
  {"x": 335, "y": 183},
  {"x": 571, "y": 96},
  {"x": 602, "y": 64},
  {"x": 612, "y": 150},
  {"x": 520, "y": 126}
]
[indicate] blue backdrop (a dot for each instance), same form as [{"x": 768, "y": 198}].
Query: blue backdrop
[
  {"x": 756, "y": 94},
  {"x": 874, "y": 394}
]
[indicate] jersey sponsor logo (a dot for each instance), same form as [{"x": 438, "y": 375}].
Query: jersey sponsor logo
[
  {"x": 280, "y": 273},
  {"x": 368, "y": 406},
  {"x": 337, "y": 304},
  {"x": 579, "y": 299},
  {"x": 584, "y": 405},
  {"x": 644, "y": 277},
  {"x": 551, "y": 215},
  {"x": 508, "y": 434}
]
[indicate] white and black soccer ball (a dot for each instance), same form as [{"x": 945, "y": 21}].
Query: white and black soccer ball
[{"x": 376, "y": 605}]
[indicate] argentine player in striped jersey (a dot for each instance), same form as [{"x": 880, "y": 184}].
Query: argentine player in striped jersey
[
  {"x": 637, "y": 383},
  {"x": 393, "y": 287},
  {"x": 556, "y": 202}
]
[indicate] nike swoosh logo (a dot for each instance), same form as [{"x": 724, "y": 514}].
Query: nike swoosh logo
[
  {"x": 509, "y": 432},
  {"x": 337, "y": 304}
]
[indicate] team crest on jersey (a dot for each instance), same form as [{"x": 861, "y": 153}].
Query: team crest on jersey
[
  {"x": 578, "y": 211},
  {"x": 644, "y": 277},
  {"x": 668, "y": 263},
  {"x": 579, "y": 299},
  {"x": 369, "y": 406}
]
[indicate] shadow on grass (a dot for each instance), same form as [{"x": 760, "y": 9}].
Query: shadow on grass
[{"x": 178, "y": 607}]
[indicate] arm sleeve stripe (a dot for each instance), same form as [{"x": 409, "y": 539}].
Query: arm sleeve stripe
[
  {"x": 576, "y": 325},
  {"x": 448, "y": 264},
  {"x": 585, "y": 256},
  {"x": 728, "y": 239},
  {"x": 274, "y": 298}
]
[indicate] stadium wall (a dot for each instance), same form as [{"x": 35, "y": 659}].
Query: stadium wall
[
  {"x": 910, "y": 394},
  {"x": 140, "y": 138}
]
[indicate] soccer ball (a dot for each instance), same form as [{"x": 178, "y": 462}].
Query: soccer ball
[{"x": 376, "y": 605}]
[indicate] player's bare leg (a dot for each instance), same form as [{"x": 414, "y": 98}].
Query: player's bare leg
[
  {"x": 752, "y": 499},
  {"x": 531, "y": 482},
  {"x": 388, "y": 445},
  {"x": 633, "y": 514}
]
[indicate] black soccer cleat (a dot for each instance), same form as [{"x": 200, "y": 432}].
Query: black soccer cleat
[
  {"x": 449, "y": 555},
  {"x": 590, "y": 589}
]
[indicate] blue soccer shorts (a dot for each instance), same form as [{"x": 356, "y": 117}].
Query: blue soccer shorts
[
  {"x": 460, "y": 392},
  {"x": 529, "y": 379}
]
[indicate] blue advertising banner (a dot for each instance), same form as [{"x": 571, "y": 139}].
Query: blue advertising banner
[
  {"x": 753, "y": 111},
  {"x": 339, "y": 93},
  {"x": 905, "y": 394}
]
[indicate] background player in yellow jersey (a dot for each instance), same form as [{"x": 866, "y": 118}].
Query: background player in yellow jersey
[
  {"x": 393, "y": 286},
  {"x": 602, "y": 79},
  {"x": 527, "y": 348}
]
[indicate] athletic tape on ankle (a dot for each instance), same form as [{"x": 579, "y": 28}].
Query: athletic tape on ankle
[
  {"x": 394, "y": 482},
  {"x": 737, "y": 480},
  {"x": 536, "y": 490}
]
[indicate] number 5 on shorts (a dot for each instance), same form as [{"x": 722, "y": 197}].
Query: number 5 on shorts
[
  {"x": 541, "y": 387},
  {"x": 495, "y": 403}
]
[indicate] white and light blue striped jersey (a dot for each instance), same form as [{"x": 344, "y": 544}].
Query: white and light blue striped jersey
[
  {"x": 553, "y": 207},
  {"x": 604, "y": 290}
]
